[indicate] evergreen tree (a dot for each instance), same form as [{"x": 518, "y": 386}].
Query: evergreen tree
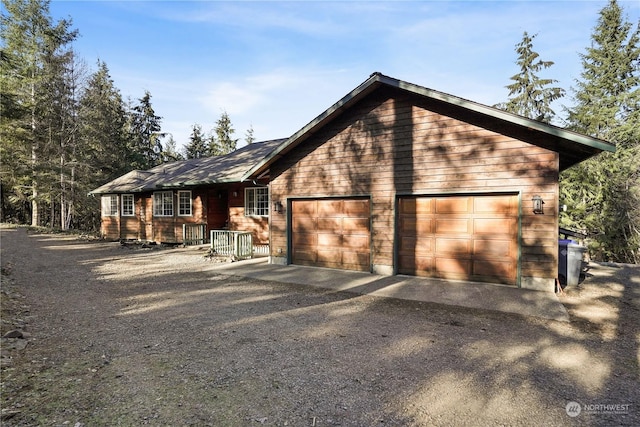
[
  {"x": 221, "y": 141},
  {"x": 145, "y": 134},
  {"x": 170, "y": 152},
  {"x": 36, "y": 46},
  {"x": 604, "y": 193},
  {"x": 15, "y": 172},
  {"x": 529, "y": 95},
  {"x": 249, "y": 138},
  {"x": 196, "y": 147},
  {"x": 102, "y": 127},
  {"x": 65, "y": 75}
]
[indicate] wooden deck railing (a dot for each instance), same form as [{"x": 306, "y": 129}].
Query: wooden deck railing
[
  {"x": 232, "y": 243},
  {"x": 194, "y": 234}
]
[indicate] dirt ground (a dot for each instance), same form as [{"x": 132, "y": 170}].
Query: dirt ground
[{"x": 105, "y": 334}]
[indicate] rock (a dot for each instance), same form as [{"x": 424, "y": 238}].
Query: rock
[{"x": 13, "y": 334}]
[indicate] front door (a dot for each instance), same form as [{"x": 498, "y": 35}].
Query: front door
[{"x": 217, "y": 209}]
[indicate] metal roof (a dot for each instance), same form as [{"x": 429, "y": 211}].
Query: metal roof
[
  {"x": 572, "y": 146},
  {"x": 193, "y": 172}
]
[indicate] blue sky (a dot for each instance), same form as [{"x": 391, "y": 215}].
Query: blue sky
[{"x": 276, "y": 65}]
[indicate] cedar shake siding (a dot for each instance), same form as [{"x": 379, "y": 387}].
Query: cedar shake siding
[{"x": 391, "y": 145}]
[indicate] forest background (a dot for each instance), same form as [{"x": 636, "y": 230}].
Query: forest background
[{"x": 66, "y": 129}]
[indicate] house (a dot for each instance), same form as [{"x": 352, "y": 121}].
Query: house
[
  {"x": 396, "y": 178},
  {"x": 154, "y": 205}
]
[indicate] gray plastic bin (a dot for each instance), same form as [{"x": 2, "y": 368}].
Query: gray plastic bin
[{"x": 570, "y": 256}]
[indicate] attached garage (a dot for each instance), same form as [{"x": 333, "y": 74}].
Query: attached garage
[
  {"x": 445, "y": 188},
  {"x": 331, "y": 233},
  {"x": 464, "y": 237}
]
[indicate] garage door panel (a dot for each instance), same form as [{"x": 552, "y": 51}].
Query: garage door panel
[
  {"x": 329, "y": 224},
  {"x": 492, "y": 268},
  {"x": 493, "y": 226},
  {"x": 417, "y": 265},
  {"x": 305, "y": 207},
  {"x": 305, "y": 239},
  {"x": 420, "y": 225},
  {"x": 464, "y": 237},
  {"x": 355, "y": 225},
  {"x": 356, "y": 260},
  {"x": 329, "y": 240},
  {"x": 453, "y": 268},
  {"x": 453, "y": 246},
  {"x": 492, "y": 248},
  {"x": 417, "y": 245},
  {"x": 495, "y": 205},
  {"x": 453, "y": 226},
  {"x": 304, "y": 224},
  {"x": 417, "y": 206},
  {"x": 357, "y": 208},
  {"x": 306, "y": 255},
  {"x": 330, "y": 208},
  {"x": 448, "y": 205},
  {"x": 360, "y": 243},
  {"x": 329, "y": 256}
]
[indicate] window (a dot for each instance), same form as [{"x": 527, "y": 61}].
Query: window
[
  {"x": 163, "y": 203},
  {"x": 184, "y": 203},
  {"x": 127, "y": 205},
  {"x": 110, "y": 205},
  {"x": 256, "y": 201}
]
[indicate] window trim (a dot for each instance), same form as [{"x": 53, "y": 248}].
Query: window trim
[
  {"x": 161, "y": 207},
  {"x": 180, "y": 213},
  {"x": 125, "y": 212},
  {"x": 252, "y": 207},
  {"x": 107, "y": 205}
]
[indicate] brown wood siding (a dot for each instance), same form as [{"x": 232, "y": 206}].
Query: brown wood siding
[
  {"x": 110, "y": 227},
  {"x": 167, "y": 229},
  {"x": 331, "y": 233},
  {"x": 130, "y": 227},
  {"x": 387, "y": 146}
]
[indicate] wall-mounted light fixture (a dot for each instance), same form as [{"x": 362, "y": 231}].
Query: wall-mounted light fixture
[
  {"x": 538, "y": 204},
  {"x": 277, "y": 207},
  {"x": 235, "y": 194}
]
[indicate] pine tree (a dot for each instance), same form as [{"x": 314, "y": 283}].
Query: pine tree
[
  {"x": 248, "y": 137},
  {"x": 529, "y": 95},
  {"x": 196, "y": 147},
  {"x": 145, "y": 134},
  {"x": 221, "y": 141},
  {"x": 102, "y": 125},
  {"x": 604, "y": 193},
  {"x": 170, "y": 152}
]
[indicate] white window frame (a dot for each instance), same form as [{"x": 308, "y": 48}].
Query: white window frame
[
  {"x": 163, "y": 203},
  {"x": 256, "y": 201},
  {"x": 128, "y": 203},
  {"x": 184, "y": 209},
  {"x": 109, "y": 204}
]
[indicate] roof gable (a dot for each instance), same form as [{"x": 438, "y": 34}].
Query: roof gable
[{"x": 571, "y": 146}]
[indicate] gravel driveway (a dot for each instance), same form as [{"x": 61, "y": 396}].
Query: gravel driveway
[{"x": 116, "y": 335}]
